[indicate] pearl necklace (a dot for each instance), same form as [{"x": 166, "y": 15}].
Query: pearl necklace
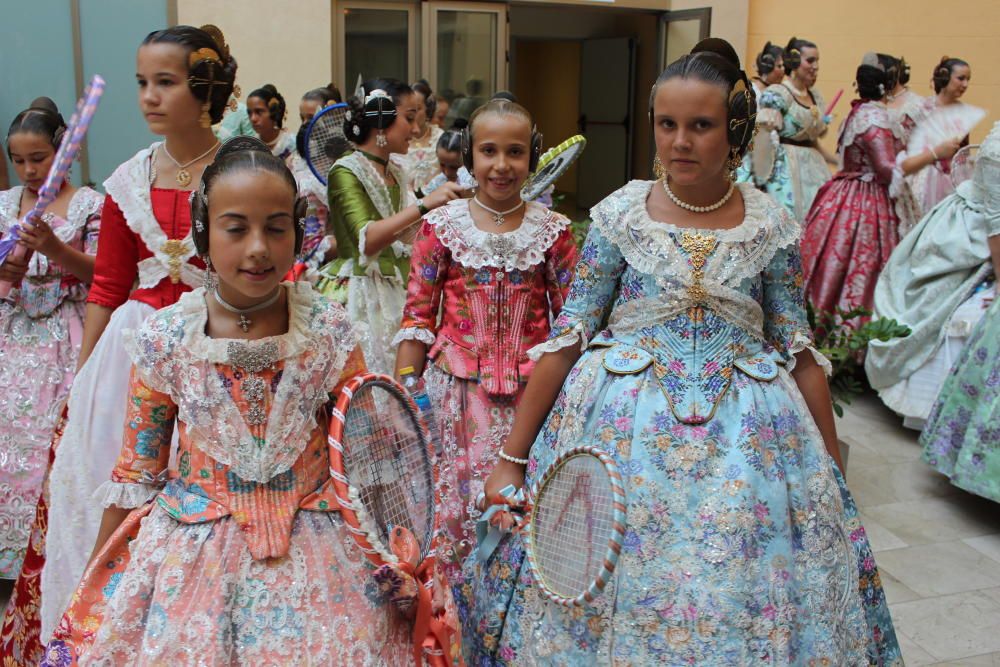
[
  {"x": 183, "y": 176},
  {"x": 243, "y": 312},
  {"x": 498, "y": 216},
  {"x": 699, "y": 209}
]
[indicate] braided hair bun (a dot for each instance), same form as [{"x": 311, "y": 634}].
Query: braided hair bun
[
  {"x": 274, "y": 101},
  {"x": 375, "y": 110}
]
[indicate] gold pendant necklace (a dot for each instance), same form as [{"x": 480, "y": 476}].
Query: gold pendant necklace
[{"x": 183, "y": 176}]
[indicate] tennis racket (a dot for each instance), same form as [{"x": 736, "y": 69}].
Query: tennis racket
[
  {"x": 325, "y": 140},
  {"x": 551, "y": 165},
  {"x": 380, "y": 462},
  {"x": 573, "y": 525},
  {"x": 68, "y": 149},
  {"x": 963, "y": 163}
]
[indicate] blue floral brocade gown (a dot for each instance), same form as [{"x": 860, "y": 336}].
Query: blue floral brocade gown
[{"x": 743, "y": 545}]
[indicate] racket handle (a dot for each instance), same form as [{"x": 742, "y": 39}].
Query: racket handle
[
  {"x": 418, "y": 392},
  {"x": 19, "y": 252}
]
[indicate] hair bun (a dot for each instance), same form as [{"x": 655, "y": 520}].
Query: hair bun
[
  {"x": 269, "y": 87},
  {"x": 220, "y": 40},
  {"x": 719, "y": 47}
]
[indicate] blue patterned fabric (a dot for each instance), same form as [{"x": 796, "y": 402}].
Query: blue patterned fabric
[{"x": 743, "y": 545}]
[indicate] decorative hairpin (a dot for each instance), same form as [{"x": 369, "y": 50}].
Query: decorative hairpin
[
  {"x": 199, "y": 225},
  {"x": 302, "y": 223},
  {"x": 376, "y": 94},
  {"x": 204, "y": 53}
]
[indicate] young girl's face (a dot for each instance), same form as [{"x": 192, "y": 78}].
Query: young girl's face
[
  {"x": 251, "y": 234},
  {"x": 308, "y": 109},
  {"x": 260, "y": 116},
  {"x": 451, "y": 162},
  {"x": 165, "y": 99},
  {"x": 959, "y": 82},
  {"x": 690, "y": 130},
  {"x": 501, "y": 155},
  {"x": 32, "y": 155}
]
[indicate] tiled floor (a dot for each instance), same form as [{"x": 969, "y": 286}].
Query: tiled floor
[{"x": 938, "y": 548}]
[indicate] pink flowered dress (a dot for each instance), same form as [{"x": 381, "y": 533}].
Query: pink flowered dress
[
  {"x": 240, "y": 558},
  {"x": 480, "y": 301},
  {"x": 41, "y": 327}
]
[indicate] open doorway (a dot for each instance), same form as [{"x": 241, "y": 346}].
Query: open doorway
[{"x": 588, "y": 70}]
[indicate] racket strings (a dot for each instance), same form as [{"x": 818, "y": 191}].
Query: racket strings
[
  {"x": 326, "y": 141},
  {"x": 573, "y": 525},
  {"x": 386, "y": 461}
]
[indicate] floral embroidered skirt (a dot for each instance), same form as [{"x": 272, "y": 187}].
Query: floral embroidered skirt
[
  {"x": 37, "y": 362},
  {"x": 849, "y": 234},
  {"x": 742, "y": 546},
  {"x": 472, "y": 426},
  {"x": 183, "y": 594},
  {"x": 962, "y": 436}
]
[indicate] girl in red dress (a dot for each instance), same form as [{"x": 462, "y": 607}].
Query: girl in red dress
[{"x": 145, "y": 261}]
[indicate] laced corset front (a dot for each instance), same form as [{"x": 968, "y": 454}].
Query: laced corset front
[
  {"x": 693, "y": 304},
  {"x": 480, "y": 300},
  {"x": 252, "y": 442}
]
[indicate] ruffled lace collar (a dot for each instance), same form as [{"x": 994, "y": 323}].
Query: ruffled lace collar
[
  {"x": 84, "y": 203},
  {"x": 650, "y": 246},
  {"x": 374, "y": 184},
  {"x": 520, "y": 249},
  {"x": 129, "y": 187},
  {"x": 194, "y": 312},
  {"x": 862, "y": 118}
]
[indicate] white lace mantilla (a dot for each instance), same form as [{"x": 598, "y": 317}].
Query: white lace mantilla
[
  {"x": 742, "y": 252},
  {"x": 129, "y": 187},
  {"x": 378, "y": 192},
  {"x": 305, "y": 178},
  {"x": 173, "y": 354},
  {"x": 84, "y": 204},
  {"x": 520, "y": 249}
]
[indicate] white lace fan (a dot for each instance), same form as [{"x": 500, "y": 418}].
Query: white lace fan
[{"x": 953, "y": 121}]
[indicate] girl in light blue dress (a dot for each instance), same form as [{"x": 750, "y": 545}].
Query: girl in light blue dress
[{"x": 684, "y": 352}]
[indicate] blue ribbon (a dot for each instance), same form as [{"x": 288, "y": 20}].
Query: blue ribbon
[{"x": 488, "y": 536}]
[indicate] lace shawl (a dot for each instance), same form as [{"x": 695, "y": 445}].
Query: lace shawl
[
  {"x": 84, "y": 204},
  {"x": 172, "y": 354},
  {"x": 743, "y": 252},
  {"x": 129, "y": 186},
  {"x": 520, "y": 249},
  {"x": 378, "y": 192},
  {"x": 865, "y": 117}
]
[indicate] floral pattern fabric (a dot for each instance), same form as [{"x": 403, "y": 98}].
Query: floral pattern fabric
[
  {"x": 852, "y": 227},
  {"x": 480, "y": 300},
  {"x": 41, "y": 328},
  {"x": 962, "y": 436},
  {"x": 797, "y": 172},
  {"x": 220, "y": 569},
  {"x": 739, "y": 546},
  {"x": 315, "y": 242}
]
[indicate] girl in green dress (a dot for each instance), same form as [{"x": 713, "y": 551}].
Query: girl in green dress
[{"x": 374, "y": 219}]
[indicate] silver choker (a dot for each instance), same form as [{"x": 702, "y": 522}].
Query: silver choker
[{"x": 243, "y": 312}]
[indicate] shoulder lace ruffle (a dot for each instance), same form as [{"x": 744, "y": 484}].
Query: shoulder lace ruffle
[
  {"x": 10, "y": 204},
  {"x": 520, "y": 249},
  {"x": 129, "y": 186},
  {"x": 381, "y": 199},
  {"x": 172, "y": 354},
  {"x": 867, "y": 116}
]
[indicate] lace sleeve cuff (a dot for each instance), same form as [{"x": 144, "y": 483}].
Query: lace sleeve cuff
[
  {"x": 801, "y": 342},
  {"x": 363, "y": 259},
  {"x": 563, "y": 340},
  {"x": 897, "y": 182},
  {"x": 126, "y": 495},
  {"x": 425, "y": 336}
]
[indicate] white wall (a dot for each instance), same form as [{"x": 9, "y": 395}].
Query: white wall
[
  {"x": 287, "y": 44},
  {"x": 729, "y": 19}
]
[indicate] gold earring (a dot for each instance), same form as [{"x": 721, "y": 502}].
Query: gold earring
[
  {"x": 205, "y": 119},
  {"x": 658, "y": 169},
  {"x": 733, "y": 163}
]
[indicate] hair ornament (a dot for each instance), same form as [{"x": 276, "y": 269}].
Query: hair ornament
[
  {"x": 348, "y": 115},
  {"x": 200, "y": 226},
  {"x": 220, "y": 40},
  {"x": 203, "y": 54},
  {"x": 302, "y": 223},
  {"x": 357, "y": 130},
  {"x": 375, "y": 94}
]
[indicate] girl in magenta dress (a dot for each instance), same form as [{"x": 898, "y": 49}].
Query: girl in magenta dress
[
  {"x": 145, "y": 261},
  {"x": 487, "y": 277}
]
